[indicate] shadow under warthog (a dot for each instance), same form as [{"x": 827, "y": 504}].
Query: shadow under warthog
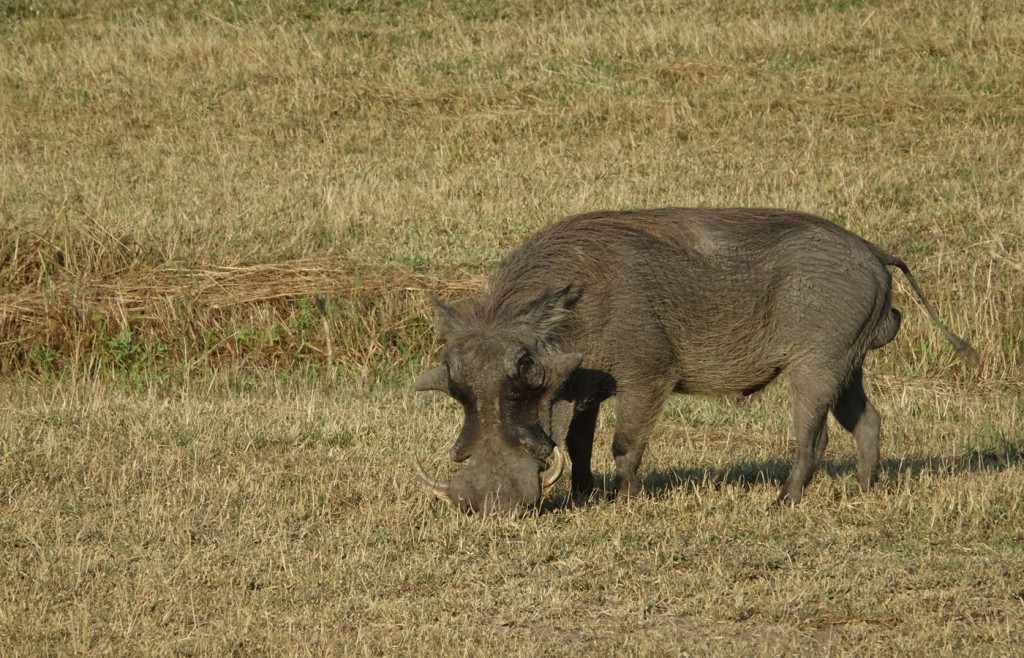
[{"x": 660, "y": 483}]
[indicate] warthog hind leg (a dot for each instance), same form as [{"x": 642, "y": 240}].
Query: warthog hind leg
[
  {"x": 856, "y": 414},
  {"x": 813, "y": 391}
]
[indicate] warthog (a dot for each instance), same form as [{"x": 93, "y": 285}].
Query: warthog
[{"x": 640, "y": 304}]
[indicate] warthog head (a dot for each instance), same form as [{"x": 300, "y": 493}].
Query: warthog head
[{"x": 499, "y": 365}]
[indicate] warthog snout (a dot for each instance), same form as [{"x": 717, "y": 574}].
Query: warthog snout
[{"x": 472, "y": 490}]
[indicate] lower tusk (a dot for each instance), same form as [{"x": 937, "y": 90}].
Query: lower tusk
[
  {"x": 549, "y": 476},
  {"x": 436, "y": 487}
]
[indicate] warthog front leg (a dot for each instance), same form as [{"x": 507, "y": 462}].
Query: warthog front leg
[
  {"x": 580, "y": 444},
  {"x": 638, "y": 412}
]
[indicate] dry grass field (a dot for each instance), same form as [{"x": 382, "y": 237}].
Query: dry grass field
[{"x": 220, "y": 224}]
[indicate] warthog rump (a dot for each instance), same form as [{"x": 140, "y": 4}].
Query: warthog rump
[{"x": 640, "y": 304}]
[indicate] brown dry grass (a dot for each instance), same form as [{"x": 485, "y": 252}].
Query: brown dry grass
[
  {"x": 239, "y": 209},
  {"x": 329, "y": 310}
]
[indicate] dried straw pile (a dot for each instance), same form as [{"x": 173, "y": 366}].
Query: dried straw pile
[{"x": 95, "y": 302}]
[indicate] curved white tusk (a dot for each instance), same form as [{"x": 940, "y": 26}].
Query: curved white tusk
[
  {"x": 436, "y": 487},
  {"x": 549, "y": 476}
]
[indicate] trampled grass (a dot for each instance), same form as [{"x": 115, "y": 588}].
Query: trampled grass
[{"x": 221, "y": 223}]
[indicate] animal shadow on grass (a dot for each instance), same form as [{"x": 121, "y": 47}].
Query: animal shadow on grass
[
  {"x": 660, "y": 483},
  {"x": 996, "y": 458},
  {"x": 746, "y": 475}
]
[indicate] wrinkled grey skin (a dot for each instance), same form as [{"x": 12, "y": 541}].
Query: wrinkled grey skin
[{"x": 641, "y": 304}]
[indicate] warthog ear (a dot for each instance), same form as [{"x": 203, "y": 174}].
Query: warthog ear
[
  {"x": 435, "y": 379},
  {"x": 547, "y": 311},
  {"x": 451, "y": 317},
  {"x": 448, "y": 318}
]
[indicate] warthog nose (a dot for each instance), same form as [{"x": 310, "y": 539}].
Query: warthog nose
[{"x": 494, "y": 497}]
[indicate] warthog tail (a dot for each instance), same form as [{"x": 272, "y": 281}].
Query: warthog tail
[{"x": 961, "y": 346}]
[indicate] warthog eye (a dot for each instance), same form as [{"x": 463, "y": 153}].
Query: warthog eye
[{"x": 524, "y": 365}]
